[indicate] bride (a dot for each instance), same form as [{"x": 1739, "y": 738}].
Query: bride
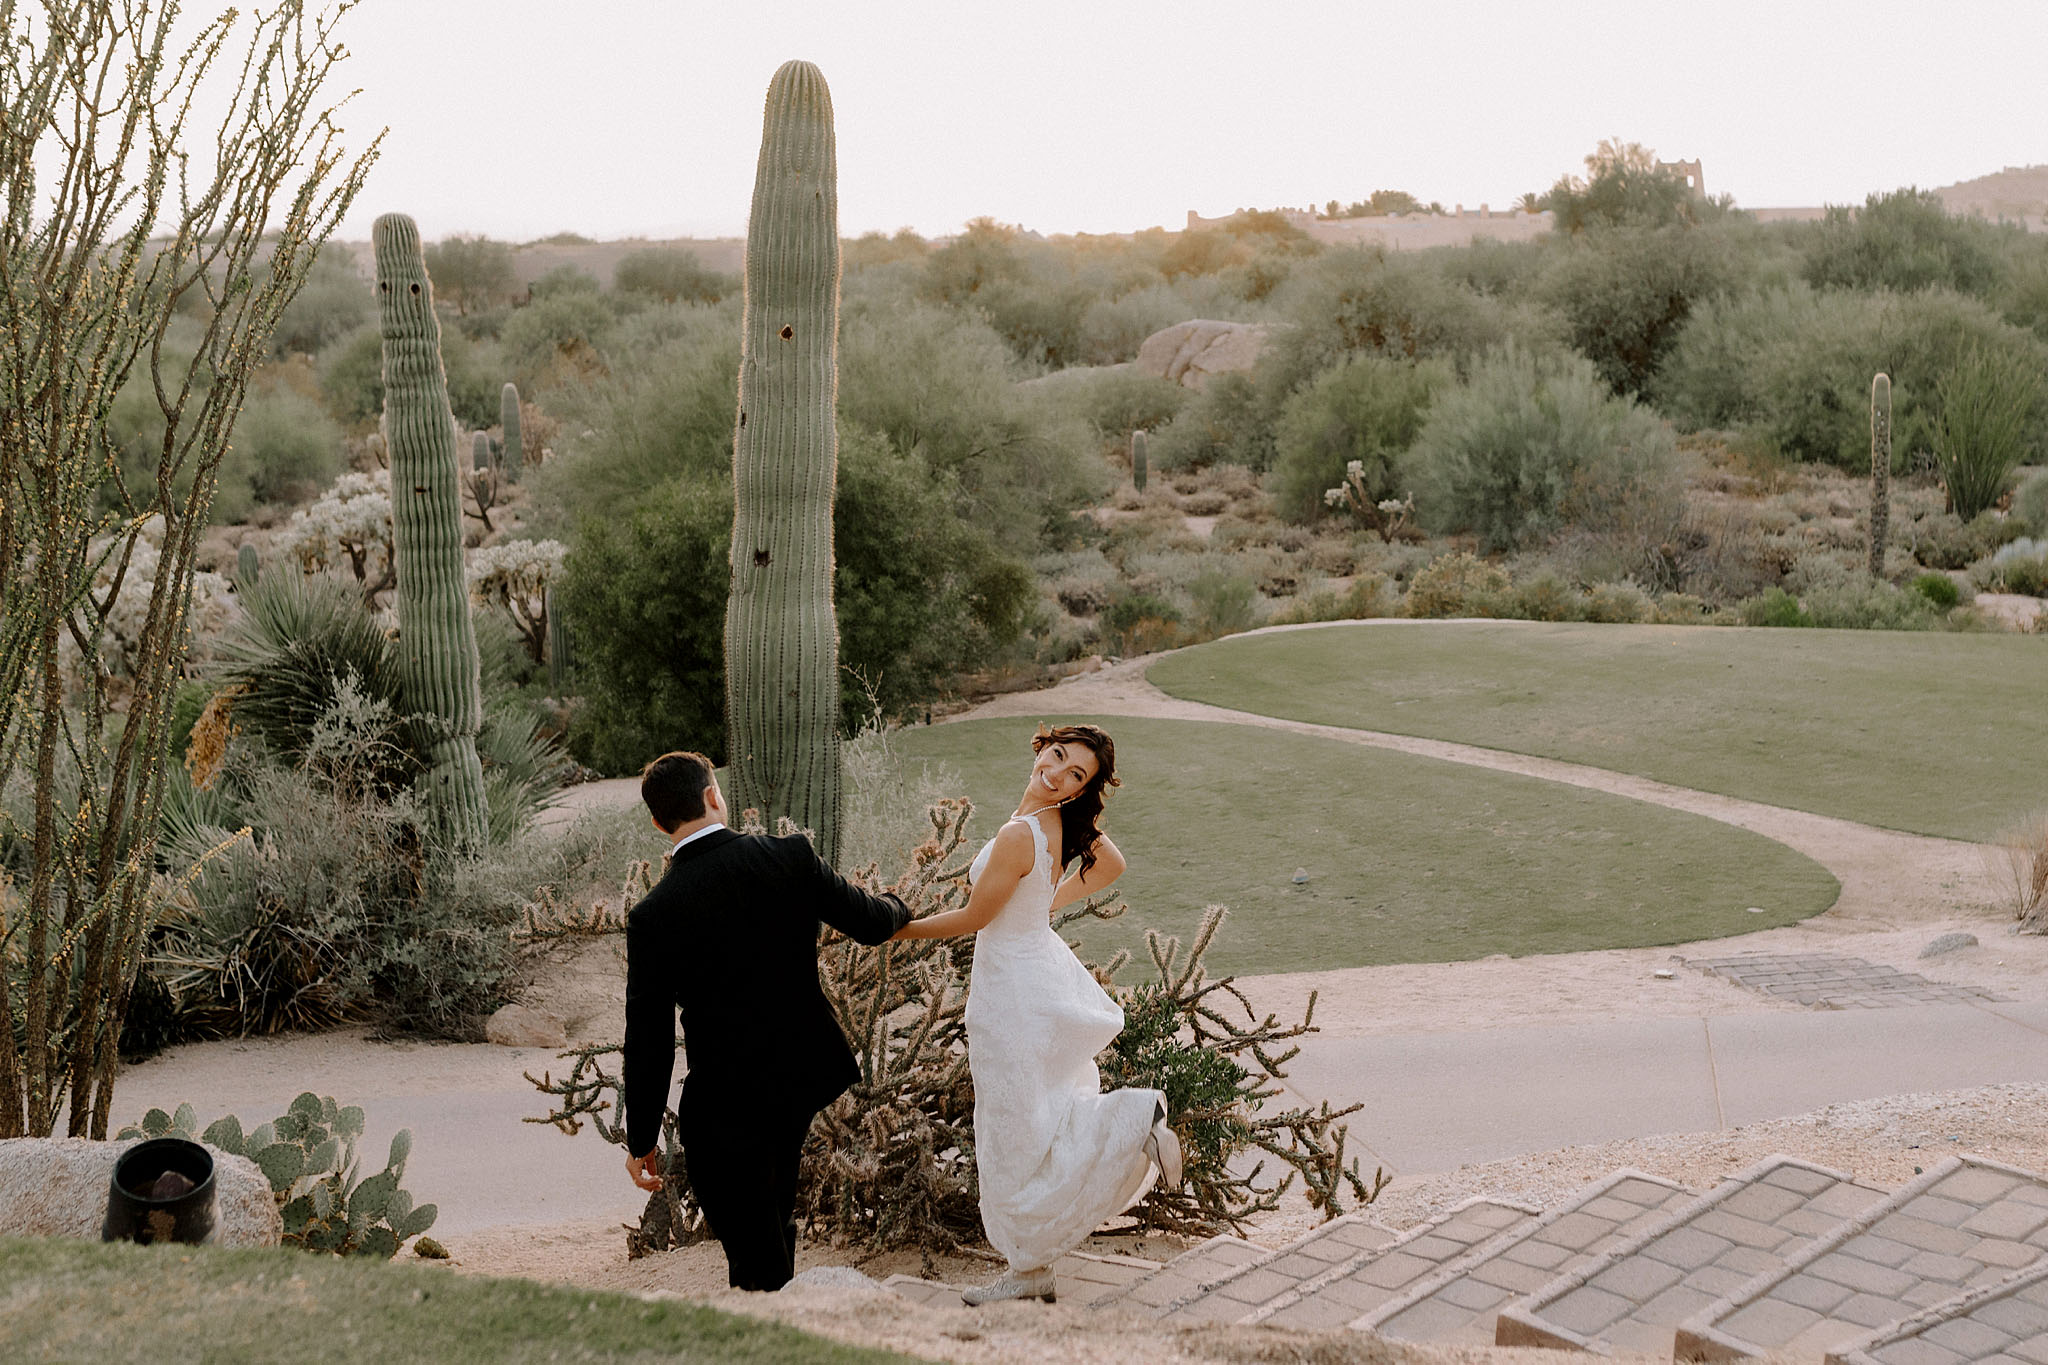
[{"x": 1056, "y": 1157}]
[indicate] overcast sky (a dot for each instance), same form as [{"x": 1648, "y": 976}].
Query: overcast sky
[{"x": 518, "y": 118}]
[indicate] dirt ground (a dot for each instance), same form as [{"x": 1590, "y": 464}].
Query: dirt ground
[{"x": 1899, "y": 892}]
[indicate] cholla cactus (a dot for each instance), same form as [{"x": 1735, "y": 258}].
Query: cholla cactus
[
  {"x": 349, "y": 524},
  {"x": 214, "y": 605},
  {"x": 515, "y": 577},
  {"x": 1388, "y": 516}
]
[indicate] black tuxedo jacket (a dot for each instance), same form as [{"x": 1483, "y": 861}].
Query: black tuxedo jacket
[{"x": 730, "y": 937}]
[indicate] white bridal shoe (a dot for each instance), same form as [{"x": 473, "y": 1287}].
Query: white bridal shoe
[
  {"x": 1012, "y": 1284},
  {"x": 1163, "y": 1146}
]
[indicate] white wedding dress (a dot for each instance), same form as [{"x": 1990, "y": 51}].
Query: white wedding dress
[{"x": 1056, "y": 1156}]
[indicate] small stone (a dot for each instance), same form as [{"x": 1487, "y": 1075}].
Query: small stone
[
  {"x": 1300, "y": 875},
  {"x": 1665, "y": 974},
  {"x": 429, "y": 1249},
  {"x": 833, "y": 1277},
  {"x": 1948, "y": 943},
  {"x": 519, "y": 1026},
  {"x": 1755, "y": 910}
]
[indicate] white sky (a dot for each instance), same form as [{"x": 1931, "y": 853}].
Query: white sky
[{"x": 519, "y": 118}]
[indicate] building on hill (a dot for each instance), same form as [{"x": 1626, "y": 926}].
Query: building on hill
[{"x": 1405, "y": 231}]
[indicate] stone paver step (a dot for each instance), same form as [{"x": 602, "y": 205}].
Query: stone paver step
[
  {"x": 2005, "y": 1323},
  {"x": 1965, "y": 1224},
  {"x": 1320, "y": 1291},
  {"x": 1225, "y": 1287},
  {"x": 1459, "y": 1303},
  {"x": 1830, "y": 981},
  {"x": 1185, "y": 1274},
  {"x": 1080, "y": 1277},
  {"x": 1634, "y": 1297}
]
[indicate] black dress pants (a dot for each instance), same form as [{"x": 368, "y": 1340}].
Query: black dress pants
[{"x": 742, "y": 1168}]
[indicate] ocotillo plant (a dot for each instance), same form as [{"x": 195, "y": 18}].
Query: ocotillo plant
[
  {"x": 1138, "y": 460},
  {"x": 247, "y": 566},
  {"x": 781, "y": 637},
  {"x": 1880, "y": 469},
  {"x": 508, "y": 418},
  {"x": 437, "y": 657}
]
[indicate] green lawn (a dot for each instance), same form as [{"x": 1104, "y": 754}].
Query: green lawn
[
  {"x": 1408, "y": 859},
  {"x": 82, "y": 1301},
  {"x": 1934, "y": 733}
]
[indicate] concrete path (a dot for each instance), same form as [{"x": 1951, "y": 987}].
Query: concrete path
[{"x": 1434, "y": 1101}]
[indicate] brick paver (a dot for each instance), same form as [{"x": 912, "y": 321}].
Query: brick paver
[
  {"x": 1080, "y": 1277},
  {"x": 1826, "y": 981},
  {"x": 2006, "y": 1321},
  {"x": 1635, "y": 1296},
  {"x": 1460, "y": 1303},
  {"x": 1342, "y": 1290},
  {"x": 1186, "y": 1274},
  {"x": 1965, "y": 1224}
]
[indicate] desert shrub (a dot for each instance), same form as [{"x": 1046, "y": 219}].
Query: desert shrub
[
  {"x": 1368, "y": 596},
  {"x": 1205, "y": 502},
  {"x": 1459, "y": 584},
  {"x": 1542, "y": 597},
  {"x": 286, "y": 447},
  {"x": 563, "y": 279},
  {"x": 1988, "y": 402},
  {"x": 333, "y": 302},
  {"x": 1528, "y": 445},
  {"x": 470, "y": 272},
  {"x": 1140, "y": 622},
  {"x": 2011, "y": 567},
  {"x": 1679, "y": 609},
  {"x": 1838, "y": 597},
  {"x": 671, "y": 274},
  {"x": 1618, "y": 604},
  {"x": 1944, "y": 541},
  {"x": 352, "y": 377},
  {"x": 1223, "y": 423},
  {"x": 1772, "y": 607},
  {"x": 1938, "y": 588},
  {"x": 1112, "y": 329},
  {"x": 1369, "y": 409},
  {"x": 2030, "y": 503},
  {"x": 1367, "y": 300},
  {"x": 1625, "y": 293},
  {"x": 1904, "y": 241},
  {"x": 1115, "y": 401},
  {"x": 1224, "y": 603},
  {"x": 561, "y": 339},
  {"x": 1624, "y": 186}
]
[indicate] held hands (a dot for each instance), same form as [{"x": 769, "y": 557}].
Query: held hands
[{"x": 645, "y": 1170}]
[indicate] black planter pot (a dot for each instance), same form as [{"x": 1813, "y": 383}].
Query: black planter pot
[{"x": 162, "y": 1191}]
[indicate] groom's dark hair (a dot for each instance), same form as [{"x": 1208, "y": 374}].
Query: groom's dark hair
[{"x": 673, "y": 788}]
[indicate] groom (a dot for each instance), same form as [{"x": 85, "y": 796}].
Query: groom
[{"x": 730, "y": 936}]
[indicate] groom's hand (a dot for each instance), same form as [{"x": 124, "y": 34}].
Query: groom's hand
[{"x": 645, "y": 1170}]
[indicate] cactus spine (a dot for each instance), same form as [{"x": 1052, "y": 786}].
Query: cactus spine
[
  {"x": 508, "y": 419},
  {"x": 1880, "y": 469},
  {"x": 436, "y": 640},
  {"x": 246, "y": 566},
  {"x": 1138, "y": 460},
  {"x": 781, "y": 637}
]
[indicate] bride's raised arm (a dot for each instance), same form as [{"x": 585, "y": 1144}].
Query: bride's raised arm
[
  {"x": 1010, "y": 861},
  {"x": 1108, "y": 866}
]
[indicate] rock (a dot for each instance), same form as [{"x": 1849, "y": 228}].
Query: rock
[
  {"x": 1300, "y": 876},
  {"x": 519, "y": 1026},
  {"x": 1948, "y": 943},
  {"x": 832, "y": 1277},
  {"x": 57, "y": 1187},
  {"x": 1191, "y": 353}
]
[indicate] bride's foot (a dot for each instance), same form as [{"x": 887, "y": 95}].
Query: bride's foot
[
  {"x": 1163, "y": 1146},
  {"x": 1013, "y": 1284}
]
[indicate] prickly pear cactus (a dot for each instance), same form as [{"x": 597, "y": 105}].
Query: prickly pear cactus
[
  {"x": 437, "y": 655},
  {"x": 1880, "y": 469},
  {"x": 1138, "y": 460},
  {"x": 508, "y": 418},
  {"x": 781, "y": 637}
]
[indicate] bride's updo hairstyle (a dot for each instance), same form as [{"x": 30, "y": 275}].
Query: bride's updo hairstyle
[{"x": 1080, "y": 812}]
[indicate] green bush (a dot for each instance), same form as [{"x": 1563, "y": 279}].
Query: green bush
[
  {"x": 1224, "y": 423},
  {"x": 470, "y": 272},
  {"x": 1368, "y": 597},
  {"x": 1544, "y": 597},
  {"x": 558, "y": 340},
  {"x": 1367, "y": 409},
  {"x": 563, "y": 279},
  {"x": 671, "y": 274},
  {"x": 286, "y": 448},
  {"x": 1904, "y": 241},
  {"x": 1115, "y": 401},
  {"x": 1619, "y": 604},
  {"x": 1838, "y": 597},
  {"x": 1530, "y": 445},
  {"x": 1625, "y": 186},
  {"x": 1938, "y": 588},
  {"x": 1459, "y": 584},
  {"x": 1989, "y": 411},
  {"x": 1772, "y": 607},
  {"x": 1943, "y": 541},
  {"x": 1625, "y": 293},
  {"x": 1138, "y": 623},
  {"x": 2030, "y": 503},
  {"x": 352, "y": 377},
  {"x": 1225, "y": 603},
  {"x": 333, "y": 302}
]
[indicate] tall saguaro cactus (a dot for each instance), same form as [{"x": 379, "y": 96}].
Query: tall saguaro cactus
[
  {"x": 515, "y": 445},
  {"x": 436, "y": 639},
  {"x": 1138, "y": 470},
  {"x": 781, "y": 637},
  {"x": 1880, "y": 470}
]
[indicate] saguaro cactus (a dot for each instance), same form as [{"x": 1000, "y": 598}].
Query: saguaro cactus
[
  {"x": 781, "y": 637},
  {"x": 247, "y": 566},
  {"x": 1880, "y": 469},
  {"x": 436, "y": 639},
  {"x": 1138, "y": 460},
  {"x": 508, "y": 418}
]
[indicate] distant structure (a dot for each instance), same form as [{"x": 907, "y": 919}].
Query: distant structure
[
  {"x": 1405, "y": 231},
  {"x": 1695, "y": 178}
]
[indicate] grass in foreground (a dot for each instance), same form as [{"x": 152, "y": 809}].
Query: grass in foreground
[
  {"x": 82, "y": 1301},
  {"x": 1408, "y": 859},
  {"x": 1933, "y": 733}
]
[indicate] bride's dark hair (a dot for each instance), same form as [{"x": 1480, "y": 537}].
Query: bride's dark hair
[{"x": 1080, "y": 812}]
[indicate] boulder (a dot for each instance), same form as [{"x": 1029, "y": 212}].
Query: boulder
[
  {"x": 522, "y": 1026},
  {"x": 57, "y": 1187},
  {"x": 1191, "y": 353}
]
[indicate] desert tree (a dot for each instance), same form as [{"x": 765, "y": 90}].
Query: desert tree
[{"x": 125, "y": 209}]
